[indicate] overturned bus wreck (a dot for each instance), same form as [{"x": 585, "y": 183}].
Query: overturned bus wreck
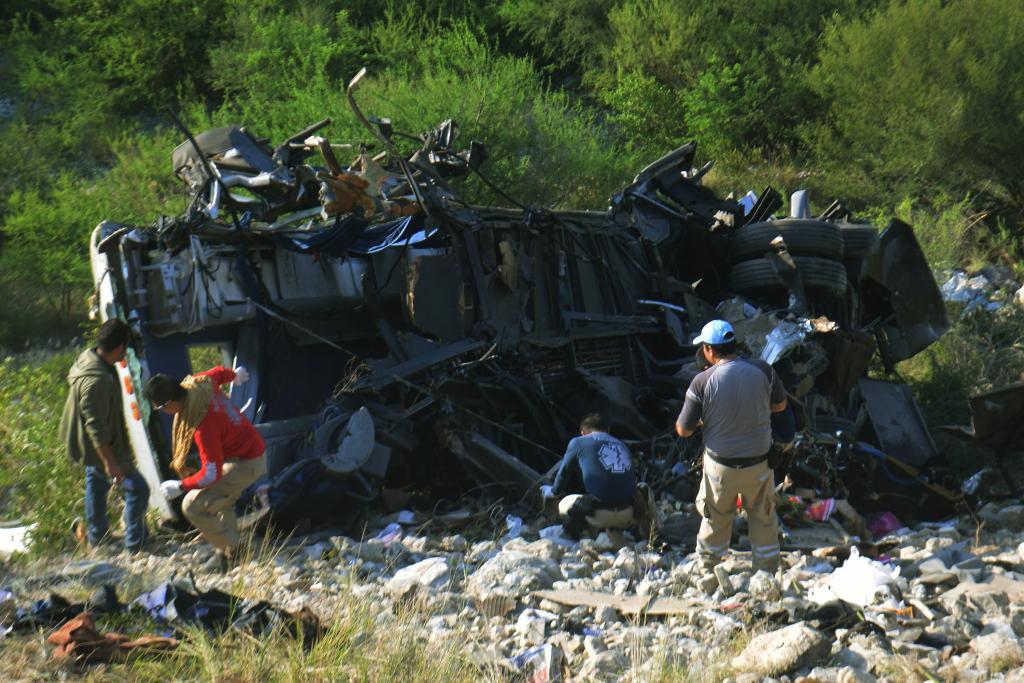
[{"x": 399, "y": 337}]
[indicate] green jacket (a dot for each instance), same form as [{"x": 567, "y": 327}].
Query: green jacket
[{"x": 93, "y": 412}]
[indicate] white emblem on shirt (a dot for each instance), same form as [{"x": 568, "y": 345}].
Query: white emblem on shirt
[{"x": 613, "y": 457}]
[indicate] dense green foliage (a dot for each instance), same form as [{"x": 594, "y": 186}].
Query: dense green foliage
[
  {"x": 927, "y": 97},
  {"x": 39, "y": 482},
  {"x": 906, "y": 107}
]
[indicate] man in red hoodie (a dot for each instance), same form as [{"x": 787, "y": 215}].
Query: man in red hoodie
[{"x": 231, "y": 453}]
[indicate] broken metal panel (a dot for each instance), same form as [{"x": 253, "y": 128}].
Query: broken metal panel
[
  {"x": 489, "y": 464},
  {"x": 909, "y": 307},
  {"x": 767, "y": 204},
  {"x": 246, "y": 354},
  {"x": 897, "y": 421},
  {"x": 388, "y": 374},
  {"x": 997, "y": 420},
  {"x": 849, "y": 357},
  {"x": 434, "y": 296}
]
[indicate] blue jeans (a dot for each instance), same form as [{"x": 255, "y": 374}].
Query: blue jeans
[{"x": 136, "y": 498}]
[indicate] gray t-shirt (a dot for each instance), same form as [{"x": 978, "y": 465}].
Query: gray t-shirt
[{"x": 732, "y": 399}]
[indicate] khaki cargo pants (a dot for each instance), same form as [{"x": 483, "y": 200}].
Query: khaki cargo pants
[
  {"x": 212, "y": 510},
  {"x": 716, "y": 503}
]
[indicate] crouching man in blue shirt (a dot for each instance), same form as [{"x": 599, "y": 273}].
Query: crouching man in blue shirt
[{"x": 597, "y": 482}]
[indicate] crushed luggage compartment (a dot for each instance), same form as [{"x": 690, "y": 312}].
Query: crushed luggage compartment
[{"x": 397, "y": 335}]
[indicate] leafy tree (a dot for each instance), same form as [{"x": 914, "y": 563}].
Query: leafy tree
[
  {"x": 144, "y": 50},
  {"x": 651, "y": 112},
  {"x": 47, "y": 227},
  {"x": 730, "y": 104},
  {"x": 273, "y": 53},
  {"x": 737, "y": 69},
  {"x": 926, "y": 96},
  {"x": 568, "y": 34}
]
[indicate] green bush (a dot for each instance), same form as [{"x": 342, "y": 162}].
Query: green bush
[
  {"x": 924, "y": 97},
  {"x": 568, "y": 34},
  {"x": 982, "y": 351},
  {"x": 45, "y": 256},
  {"x": 39, "y": 484},
  {"x": 726, "y": 107},
  {"x": 955, "y": 234},
  {"x": 641, "y": 107},
  {"x": 274, "y": 57},
  {"x": 737, "y": 70}
]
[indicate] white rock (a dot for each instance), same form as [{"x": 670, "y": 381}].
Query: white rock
[
  {"x": 604, "y": 666},
  {"x": 594, "y": 645},
  {"x": 782, "y": 651},
  {"x": 604, "y": 542},
  {"x": 430, "y": 574},
  {"x": 532, "y": 625},
  {"x": 546, "y": 549},
  {"x": 763, "y": 586},
  {"x": 371, "y": 551},
  {"x": 513, "y": 573},
  {"x": 998, "y": 652},
  {"x": 845, "y": 674},
  {"x": 482, "y": 551},
  {"x": 606, "y": 615}
]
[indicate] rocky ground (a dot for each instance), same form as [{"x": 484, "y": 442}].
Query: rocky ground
[{"x": 946, "y": 603}]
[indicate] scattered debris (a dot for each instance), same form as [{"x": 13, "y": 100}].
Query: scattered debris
[
  {"x": 14, "y": 538},
  {"x": 541, "y": 664},
  {"x": 972, "y": 292},
  {"x": 217, "y": 610},
  {"x": 628, "y": 605},
  {"x": 79, "y": 641},
  {"x": 861, "y": 582},
  {"x": 939, "y": 597}
]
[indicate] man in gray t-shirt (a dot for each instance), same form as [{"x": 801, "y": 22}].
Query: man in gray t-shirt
[{"x": 732, "y": 401}]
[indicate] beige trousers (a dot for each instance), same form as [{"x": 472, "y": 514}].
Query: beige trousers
[
  {"x": 212, "y": 510},
  {"x": 716, "y": 503},
  {"x": 601, "y": 519}
]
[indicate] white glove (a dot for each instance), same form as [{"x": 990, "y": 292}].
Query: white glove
[
  {"x": 547, "y": 491},
  {"x": 171, "y": 489},
  {"x": 241, "y": 376}
]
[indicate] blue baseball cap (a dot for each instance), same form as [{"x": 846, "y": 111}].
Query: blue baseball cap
[{"x": 716, "y": 332}]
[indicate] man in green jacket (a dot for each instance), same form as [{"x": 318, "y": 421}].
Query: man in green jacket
[{"x": 92, "y": 427}]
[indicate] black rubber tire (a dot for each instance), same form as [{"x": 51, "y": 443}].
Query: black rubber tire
[
  {"x": 858, "y": 240},
  {"x": 818, "y": 275},
  {"x": 803, "y": 237}
]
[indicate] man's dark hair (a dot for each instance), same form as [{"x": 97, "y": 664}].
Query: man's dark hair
[
  {"x": 726, "y": 349},
  {"x": 594, "y": 422},
  {"x": 162, "y": 388},
  {"x": 112, "y": 334}
]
